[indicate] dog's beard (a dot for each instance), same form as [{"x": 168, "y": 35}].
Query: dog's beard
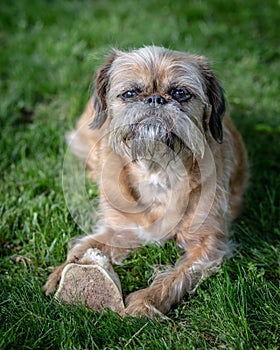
[
  {"x": 158, "y": 134},
  {"x": 150, "y": 138}
]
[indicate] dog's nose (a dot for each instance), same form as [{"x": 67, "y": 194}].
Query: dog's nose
[{"x": 155, "y": 100}]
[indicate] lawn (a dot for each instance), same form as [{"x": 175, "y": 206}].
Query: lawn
[{"x": 49, "y": 51}]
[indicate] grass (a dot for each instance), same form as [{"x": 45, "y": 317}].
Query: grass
[{"x": 49, "y": 52}]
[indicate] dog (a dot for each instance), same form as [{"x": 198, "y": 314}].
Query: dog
[{"x": 169, "y": 164}]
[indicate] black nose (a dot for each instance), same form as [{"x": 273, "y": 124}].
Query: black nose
[{"x": 155, "y": 100}]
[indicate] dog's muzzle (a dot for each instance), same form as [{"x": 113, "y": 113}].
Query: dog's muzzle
[
  {"x": 149, "y": 135},
  {"x": 149, "y": 130}
]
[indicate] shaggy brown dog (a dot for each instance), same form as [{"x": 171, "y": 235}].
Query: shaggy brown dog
[{"x": 169, "y": 164}]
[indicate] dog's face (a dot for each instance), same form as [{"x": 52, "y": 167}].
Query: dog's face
[{"x": 158, "y": 101}]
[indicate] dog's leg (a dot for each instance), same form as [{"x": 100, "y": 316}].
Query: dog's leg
[
  {"x": 169, "y": 287},
  {"x": 114, "y": 249}
]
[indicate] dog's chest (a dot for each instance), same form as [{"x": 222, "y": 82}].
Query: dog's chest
[
  {"x": 153, "y": 187},
  {"x": 160, "y": 201}
]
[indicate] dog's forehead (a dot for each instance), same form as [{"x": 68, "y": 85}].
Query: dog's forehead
[{"x": 150, "y": 64}]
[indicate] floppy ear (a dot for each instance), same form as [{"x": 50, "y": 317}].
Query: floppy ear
[
  {"x": 216, "y": 98},
  {"x": 99, "y": 95}
]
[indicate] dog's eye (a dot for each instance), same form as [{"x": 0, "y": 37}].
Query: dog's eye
[
  {"x": 180, "y": 95},
  {"x": 130, "y": 95}
]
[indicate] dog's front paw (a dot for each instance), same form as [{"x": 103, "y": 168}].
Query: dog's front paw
[
  {"x": 53, "y": 280},
  {"x": 140, "y": 304}
]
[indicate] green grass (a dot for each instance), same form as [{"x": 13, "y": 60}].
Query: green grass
[{"x": 49, "y": 52}]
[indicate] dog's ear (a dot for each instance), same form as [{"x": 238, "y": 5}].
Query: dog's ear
[
  {"x": 99, "y": 95},
  {"x": 216, "y": 98}
]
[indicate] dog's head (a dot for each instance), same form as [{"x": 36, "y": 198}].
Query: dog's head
[{"x": 154, "y": 97}]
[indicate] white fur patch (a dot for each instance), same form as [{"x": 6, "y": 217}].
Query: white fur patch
[{"x": 96, "y": 256}]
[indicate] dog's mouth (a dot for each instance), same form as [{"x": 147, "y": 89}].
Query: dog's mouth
[
  {"x": 149, "y": 133},
  {"x": 150, "y": 136},
  {"x": 155, "y": 135}
]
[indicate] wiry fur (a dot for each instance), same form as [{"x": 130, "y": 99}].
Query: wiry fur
[{"x": 173, "y": 170}]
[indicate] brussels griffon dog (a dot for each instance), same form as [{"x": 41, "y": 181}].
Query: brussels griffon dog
[{"x": 168, "y": 162}]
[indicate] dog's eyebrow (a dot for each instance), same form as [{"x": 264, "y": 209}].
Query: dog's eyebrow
[{"x": 132, "y": 85}]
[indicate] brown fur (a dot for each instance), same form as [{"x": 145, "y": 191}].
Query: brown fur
[{"x": 191, "y": 196}]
